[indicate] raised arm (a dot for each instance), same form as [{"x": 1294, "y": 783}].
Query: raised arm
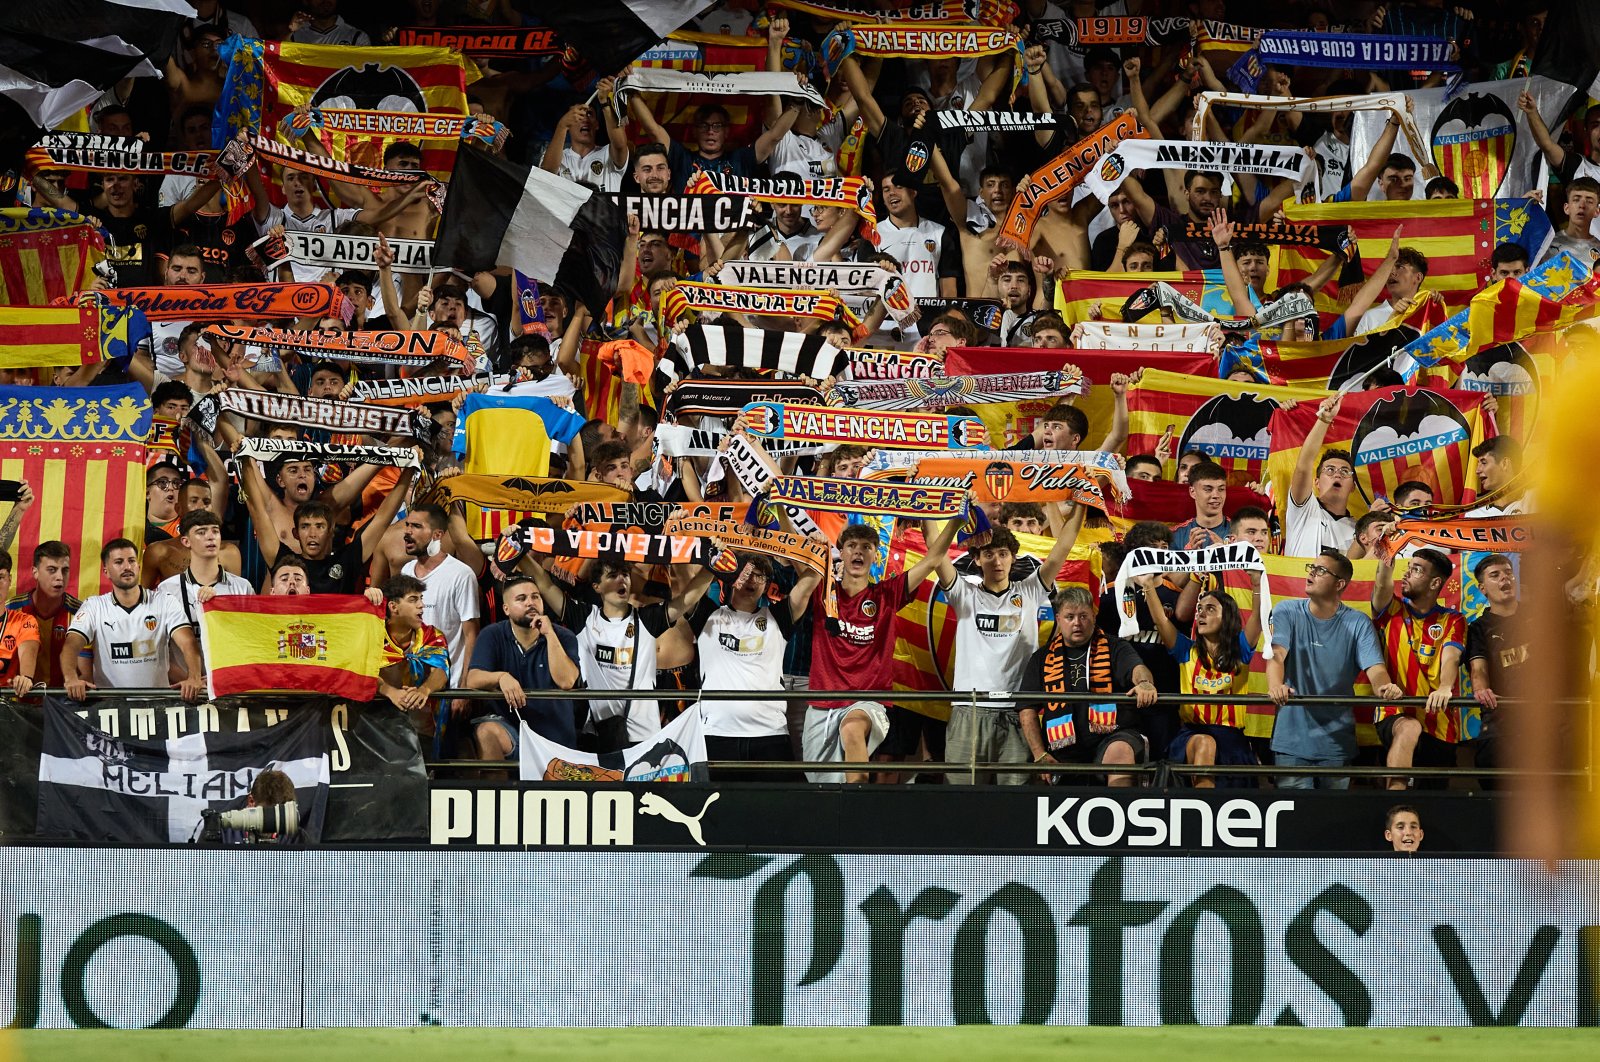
[
  {"x": 1383, "y": 586},
  {"x": 938, "y": 548},
  {"x": 1148, "y": 586},
  {"x": 375, "y": 527},
  {"x": 647, "y": 121},
  {"x": 1361, "y": 182},
  {"x": 861, "y": 90},
  {"x": 1238, "y": 290},
  {"x": 1117, "y": 436},
  {"x": 1373, "y": 288},
  {"x": 1554, "y": 153},
  {"x": 1304, "y": 477}
]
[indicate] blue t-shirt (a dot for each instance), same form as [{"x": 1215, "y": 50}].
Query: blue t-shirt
[
  {"x": 1321, "y": 658},
  {"x": 497, "y": 649},
  {"x": 1181, "y": 533},
  {"x": 737, "y": 162}
]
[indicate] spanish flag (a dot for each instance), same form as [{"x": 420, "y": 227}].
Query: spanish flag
[
  {"x": 1286, "y": 580},
  {"x": 1456, "y": 235},
  {"x": 1082, "y": 289},
  {"x": 1228, "y": 421},
  {"x": 925, "y": 631},
  {"x": 1394, "y": 434},
  {"x": 319, "y": 643}
]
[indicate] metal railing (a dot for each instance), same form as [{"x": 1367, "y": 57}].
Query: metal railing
[{"x": 1158, "y": 770}]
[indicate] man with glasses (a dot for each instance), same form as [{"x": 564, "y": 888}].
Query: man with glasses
[
  {"x": 1317, "y": 514},
  {"x": 1320, "y": 647},
  {"x": 711, "y": 154},
  {"x": 163, "y": 481}
]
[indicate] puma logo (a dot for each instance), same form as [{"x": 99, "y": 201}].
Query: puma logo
[{"x": 651, "y": 804}]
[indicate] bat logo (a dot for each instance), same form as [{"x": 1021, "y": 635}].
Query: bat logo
[
  {"x": 1473, "y": 140},
  {"x": 998, "y": 477},
  {"x": 917, "y": 157},
  {"x": 1369, "y": 350},
  {"x": 1399, "y": 430},
  {"x": 1141, "y": 303},
  {"x": 1231, "y": 427},
  {"x": 1503, "y": 370},
  {"x": 370, "y": 88},
  {"x": 761, "y": 418},
  {"x": 1112, "y": 167},
  {"x": 969, "y": 433}
]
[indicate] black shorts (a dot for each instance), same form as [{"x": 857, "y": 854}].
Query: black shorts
[
  {"x": 1092, "y": 749},
  {"x": 771, "y": 747},
  {"x": 1430, "y": 752},
  {"x": 908, "y": 730}
]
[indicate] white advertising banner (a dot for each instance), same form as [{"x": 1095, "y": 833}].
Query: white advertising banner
[{"x": 139, "y": 937}]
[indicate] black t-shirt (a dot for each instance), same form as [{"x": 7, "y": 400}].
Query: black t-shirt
[
  {"x": 582, "y": 602},
  {"x": 337, "y": 573},
  {"x": 137, "y": 243},
  {"x": 1147, "y": 643},
  {"x": 1123, "y": 660},
  {"x": 912, "y": 149},
  {"x": 1502, "y": 642},
  {"x": 222, "y": 245}
]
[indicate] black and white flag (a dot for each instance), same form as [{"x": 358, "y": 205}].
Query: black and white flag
[
  {"x": 143, "y": 775},
  {"x": 751, "y": 348},
  {"x": 610, "y": 34},
  {"x": 504, "y": 213}
]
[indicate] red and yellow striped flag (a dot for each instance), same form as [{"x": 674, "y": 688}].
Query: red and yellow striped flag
[
  {"x": 32, "y": 336},
  {"x": 46, "y": 255},
  {"x": 1286, "y": 579},
  {"x": 1082, "y": 289},
  {"x": 318, "y": 643},
  {"x": 1330, "y": 362},
  {"x": 1511, "y": 310},
  {"x": 1226, "y": 420},
  {"x": 925, "y": 631},
  {"x": 708, "y": 53},
  {"x": 1456, "y": 235},
  {"x": 1394, "y": 434},
  {"x": 82, "y": 450},
  {"x": 433, "y": 80}
]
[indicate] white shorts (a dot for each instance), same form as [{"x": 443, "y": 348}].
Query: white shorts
[{"x": 821, "y": 743}]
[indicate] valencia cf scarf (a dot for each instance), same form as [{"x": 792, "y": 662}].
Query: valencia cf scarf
[
  {"x": 1227, "y": 557},
  {"x": 988, "y": 12},
  {"x": 85, "y": 152},
  {"x": 847, "y": 193},
  {"x": 634, "y": 547},
  {"x": 333, "y": 169},
  {"x": 755, "y": 470},
  {"x": 1060, "y": 176},
  {"x": 229, "y": 302},
  {"x": 795, "y": 549},
  {"x": 764, "y": 302},
  {"x": 911, "y": 40},
  {"x": 901, "y": 431},
  {"x": 648, "y": 516},
  {"x": 422, "y": 390},
  {"x": 899, "y": 464},
  {"x": 322, "y": 414},
  {"x": 1056, "y": 718},
  {"x": 406, "y": 350},
  {"x": 412, "y": 125},
  {"x": 996, "y": 121},
  {"x": 830, "y": 276},
  {"x": 866, "y": 364},
  {"x": 265, "y": 450},
  {"x": 1482, "y": 534},
  {"x": 337, "y": 252},
  {"x": 941, "y": 392},
  {"x": 483, "y": 42},
  {"x": 520, "y": 493},
  {"x": 870, "y": 497},
  {"x": 725, "y": 398},
  {"x": 999, "y": 482},
  {"x": 1395, "y": 103},
  {"x": 1261, "y": 231}
]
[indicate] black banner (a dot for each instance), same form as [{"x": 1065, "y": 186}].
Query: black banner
[
  {"x": 377, "y": 789},
  {"x": 1035, "y": 820},
  {"x": 692, "y": 213}
]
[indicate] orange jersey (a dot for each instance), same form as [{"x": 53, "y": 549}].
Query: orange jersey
[
  {"x": 51, "y": 632},
  {"x": 1414, "y": 645},
  {"x": 16, "y": 629}
]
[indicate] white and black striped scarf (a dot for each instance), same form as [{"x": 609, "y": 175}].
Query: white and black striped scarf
[{"x": 751, "y": 348}]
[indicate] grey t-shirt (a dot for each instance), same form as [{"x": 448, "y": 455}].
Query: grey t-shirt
[{"x": 1321, "y": 658}]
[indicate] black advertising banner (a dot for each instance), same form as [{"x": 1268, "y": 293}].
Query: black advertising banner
[
  {"x": 380, "y": 787},
  {"x": 1035, "y": 820}
]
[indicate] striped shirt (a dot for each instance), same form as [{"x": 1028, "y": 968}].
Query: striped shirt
[
  {"x": 1414, "y": 645},
  {"x": 1195, "y": 677}
]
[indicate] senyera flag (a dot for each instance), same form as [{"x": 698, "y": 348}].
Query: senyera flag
[
  {"x": 319, "y": 643},
  {"x": 1228, "y": 421}
]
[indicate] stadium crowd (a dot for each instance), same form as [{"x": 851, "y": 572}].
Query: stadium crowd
[{"x": 1110, "y": 568}]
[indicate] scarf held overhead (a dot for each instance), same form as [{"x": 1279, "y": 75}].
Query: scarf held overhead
[
  {"x": 870, "y": 497},
  {"x": 725, "y": 398},
  {"x": 228, "y": 302},
  {"x": 901, "y": 431},
  {"x": 82, "y": 152},
  {"x": 323, "y": 414},
  {"x": 413, "y": 350},
  {"x": 1481, "y": 534},
  {"x": 1228, "y": 557},
  {"x": 762, "y": 302},
  {"x": 1060, "y": 176},
  {"x": 998, "y": 482},
  {"x": 634, "y": 547},
  {"x": 520, "y": 493},
  {"x": 940, "y": 392},
  {"x": 337, "y": 253},
  {"x": 265, "y": 450}
]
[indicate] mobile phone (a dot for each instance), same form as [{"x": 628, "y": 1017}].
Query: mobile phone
[{"x": 10, "y": 490}]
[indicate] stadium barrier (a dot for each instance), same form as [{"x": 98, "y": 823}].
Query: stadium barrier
[{"x": 258, "y": 938}]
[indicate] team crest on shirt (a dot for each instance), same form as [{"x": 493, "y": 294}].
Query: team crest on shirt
[
  {"x": 761, "y": 622},
  {"x": 917, "y": 157},
  {"x": 1016, "y": 600},
  {"x": 10, "y": 642},
  {"x": 596, "y": 166},
  {"x": 929, "y": 245},
  {"x": 1436, "y": 630},
  {"x": 628, "y": 631},
  {"x": 869, "y": 608},
  {"x": 336, "y": 572},
  {"x": 149, "y": 623},
  {"x": 141, "y": 231}
]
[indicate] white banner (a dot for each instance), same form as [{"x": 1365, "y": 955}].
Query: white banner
[
  {"x": 677, "y": 753},
  {"x": 1116, "y": 335},
  {"x": 333, "y": 251},
  {"x": 1261, "y": 160},
  {"x": 128, "y": 937}
]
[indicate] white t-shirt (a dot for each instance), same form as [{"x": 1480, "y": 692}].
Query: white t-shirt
[
  {"x": 320, "y": 220},
  {"x": 164, "y": 346},
  {"x": 1310, "y": 527},
  {"x": 742, "y": 651},
  {"x": 1376, "y": 317},
  {"x": 449, "y": 598},
  {"x": 765, "y": 243},
  {"x": 183, "y": 589},
  {"x": 918, "y": 250},
  {"x": 593, "y": 168},
  {"x": 803, "y": 156},
  {"x": 611, "y": 652},
  {"x": 130, "y": 644},
  {"x": 995, "y": 633}
]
